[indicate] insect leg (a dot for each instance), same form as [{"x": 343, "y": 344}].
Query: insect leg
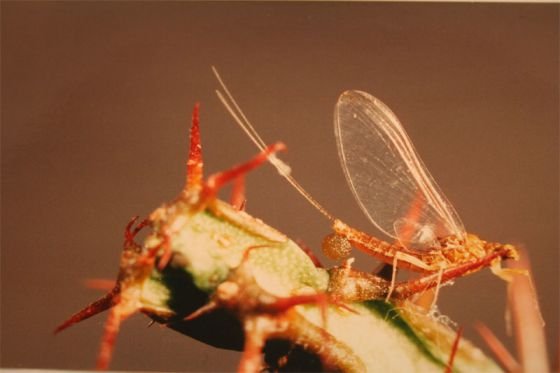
[
  {"x": 409, "y": 261},
  {"x": 438, "y": 286},
  {"x": 393, "y": 277}
]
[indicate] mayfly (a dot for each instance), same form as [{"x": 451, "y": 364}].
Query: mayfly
[{"x": 398, "y": 195}]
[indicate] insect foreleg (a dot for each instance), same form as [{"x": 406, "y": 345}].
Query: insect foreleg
[
  {"x": 409, "y": 259},
  {"x": 393, "y": 277},
  {"x": 438, "y": 286}
]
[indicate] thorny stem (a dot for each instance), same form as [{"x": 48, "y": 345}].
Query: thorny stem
[{"x": 262, "y": 318}]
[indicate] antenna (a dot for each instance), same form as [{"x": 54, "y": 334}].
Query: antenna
[{"x": 283, "y": 169}]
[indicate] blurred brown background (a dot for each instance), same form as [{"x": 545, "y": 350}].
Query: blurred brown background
[{"x": 96, "y": 100}]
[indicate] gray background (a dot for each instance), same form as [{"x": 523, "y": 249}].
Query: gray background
[{"x": 96, "y": 99}]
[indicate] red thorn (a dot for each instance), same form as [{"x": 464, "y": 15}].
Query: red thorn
[
  {"x": 307, "y": 250},
  {"x": 216, "y": 181},
  {"x": 207, "y": 308},
  {"x": 454, "y": 350},
  {"x": 166, "y": 256},
  {"x": 194, "y": 163},
  {"x": 99, "y": 283},
  {"x": 237, "y": 199},
  {"x": 112, "y": 325},
  {"x": 100, "y": 305},
  {"x": 504, "y": 357}
]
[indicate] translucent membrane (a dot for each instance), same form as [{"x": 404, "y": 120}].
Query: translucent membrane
[{"x": 390, "y": 182}]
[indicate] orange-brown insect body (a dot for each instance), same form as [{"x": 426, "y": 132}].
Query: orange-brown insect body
[
  {"x": 359, "y": 119},
  {"x": 452, "y": 251}
]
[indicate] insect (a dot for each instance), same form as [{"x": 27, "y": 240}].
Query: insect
[{"x": 398, "y": 195}]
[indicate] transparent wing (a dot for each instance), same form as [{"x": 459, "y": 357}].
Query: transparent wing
[{"x": 388, "y": 179}]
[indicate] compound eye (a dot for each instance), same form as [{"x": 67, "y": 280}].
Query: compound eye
[{"x": 336, "y": 247}]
